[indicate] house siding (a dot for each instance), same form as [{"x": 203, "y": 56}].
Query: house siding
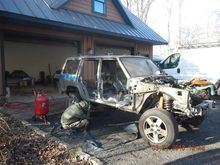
[
  {"x": 85, "y": 6},
  {"x": 144, "y": 49},
  {"x": 1, "y": 64}
]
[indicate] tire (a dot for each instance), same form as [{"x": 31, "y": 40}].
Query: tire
[{"x": 162, "y": 135}]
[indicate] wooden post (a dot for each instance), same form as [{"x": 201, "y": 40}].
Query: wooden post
[
  {"x": 2, "y": 66},
  {"x": 87, "y": 43}
]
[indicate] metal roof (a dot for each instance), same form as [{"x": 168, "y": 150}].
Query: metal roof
[{"x": 42, "y": 11}]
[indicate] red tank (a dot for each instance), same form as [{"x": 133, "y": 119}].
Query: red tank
[{"x": 41, "y": 104}]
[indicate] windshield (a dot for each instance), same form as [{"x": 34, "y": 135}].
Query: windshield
[{"x": 139, "y": 67}]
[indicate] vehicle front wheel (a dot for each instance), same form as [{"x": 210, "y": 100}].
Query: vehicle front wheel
[{"x": 158, "y": 127}]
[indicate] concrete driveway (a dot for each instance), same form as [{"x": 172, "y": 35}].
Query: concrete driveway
[{"x": 116, "y": 146}]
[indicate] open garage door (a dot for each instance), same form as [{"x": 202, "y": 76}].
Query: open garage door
[
  {"x": 40, "y": 61},
  {"x": 113, "y": 50}
]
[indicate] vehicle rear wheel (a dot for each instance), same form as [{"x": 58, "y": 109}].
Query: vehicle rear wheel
[{"x": 158, "y": 127}]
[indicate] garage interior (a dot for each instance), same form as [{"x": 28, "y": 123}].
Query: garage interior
[{"x": 40, "y": 58}]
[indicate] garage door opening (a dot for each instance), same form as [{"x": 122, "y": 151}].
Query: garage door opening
[
  {"x": 113, "y": 50},
  {"x": 35, "y": 65}
]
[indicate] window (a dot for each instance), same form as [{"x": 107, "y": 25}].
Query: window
[
  {"x": 139, "y": 67},
  {"x": 99, "y": 6},
  {"x": 71, "y": 67},
  {"x": 172, "y": 61}
]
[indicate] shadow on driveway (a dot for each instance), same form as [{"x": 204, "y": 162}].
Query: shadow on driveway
[{"x": 202, "y": 158}]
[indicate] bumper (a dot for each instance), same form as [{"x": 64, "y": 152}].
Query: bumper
[{"x": 202, "y": 108}]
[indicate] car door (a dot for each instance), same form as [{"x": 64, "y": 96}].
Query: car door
[{"x": 171, "y": 65}]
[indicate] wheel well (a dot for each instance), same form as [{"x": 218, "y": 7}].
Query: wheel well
[
  {"x": 150, "y": 102},
  {"x": 71, "y": 89},
  {"x": 75, "y": 91}
]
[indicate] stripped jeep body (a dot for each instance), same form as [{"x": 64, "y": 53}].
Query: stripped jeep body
[{"x": 129, "y": 83}]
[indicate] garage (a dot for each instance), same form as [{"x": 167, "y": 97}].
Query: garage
[
  {"x": 36, "y": 37},
  {"x": 39, "y": 59}
]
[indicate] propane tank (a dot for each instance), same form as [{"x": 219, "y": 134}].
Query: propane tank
[{"x": 41, "y": 104}]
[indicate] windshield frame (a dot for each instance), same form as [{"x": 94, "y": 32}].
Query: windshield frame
[{"x": 139, "y": 57}]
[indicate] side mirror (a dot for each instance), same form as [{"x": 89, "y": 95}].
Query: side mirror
[{"x": 178, "y": 70}]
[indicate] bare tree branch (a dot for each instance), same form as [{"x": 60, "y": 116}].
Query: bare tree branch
[
  {"x": 180, "y": 20},
  {"x": 128, "y": 4},
  {"x": 140, "y": 7},
  {"x": 169, "y": 17}
]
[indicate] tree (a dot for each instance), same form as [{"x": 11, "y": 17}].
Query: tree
[
  {"x": 217, "y": 26},
  {"x": 180, "y": 20},
  {"x": 169, "y": 17},
  {"x": 191, "y": 36},
  {"x": 139, "y": 7},
  {"x": 143, "y": 7},
  {"x": 128, "y": 4}
]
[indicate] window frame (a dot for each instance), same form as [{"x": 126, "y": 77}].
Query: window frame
[
  {"x": 168, "y": 64},
  {"x": 104, "y": 7},
  {"x": 64, "y": 71}
]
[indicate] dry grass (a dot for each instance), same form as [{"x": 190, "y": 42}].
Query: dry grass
[{"x": 20, "y": 145}]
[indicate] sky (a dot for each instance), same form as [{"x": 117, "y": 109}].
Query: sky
[
  {"x": 199, "y": 18},
  {"x": 194, "y": 12}
]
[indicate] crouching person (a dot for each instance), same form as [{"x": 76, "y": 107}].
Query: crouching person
[{"x": 76, "y": 116}]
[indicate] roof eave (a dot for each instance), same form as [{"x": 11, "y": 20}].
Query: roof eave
[{"x": 29, "y": 19}]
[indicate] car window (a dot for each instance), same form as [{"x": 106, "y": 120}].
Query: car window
[
  {"x": 71, "y": 67},
  {"x": 172, "y": 61},
  {"x": 139, "y": 67}
]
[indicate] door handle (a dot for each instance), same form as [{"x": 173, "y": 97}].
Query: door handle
[{"x": 178, "y": 70}]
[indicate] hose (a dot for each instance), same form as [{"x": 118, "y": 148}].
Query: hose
[{"x": 19, "y": 105}]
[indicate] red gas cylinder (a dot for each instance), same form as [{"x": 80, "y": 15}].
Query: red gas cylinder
[{"x": 41, "y": 104}]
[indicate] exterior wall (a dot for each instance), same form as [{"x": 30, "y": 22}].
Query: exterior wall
[
  {"x": 106, "y": 50},
  {"x": 85, "y": 6},
  {"x": 33, "y": 58},
  {"x": 144, "y": 49},
  {"x": 1, "y": 65},
  {"x": 114, "y": 41},
  {"x": 40, "y": 31},
  {"x": 120, "y": 46}
]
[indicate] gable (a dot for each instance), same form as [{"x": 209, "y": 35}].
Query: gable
[{"x": 85, "y": 6}]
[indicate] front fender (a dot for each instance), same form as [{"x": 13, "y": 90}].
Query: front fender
[{"x": 146, "y": 101}]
